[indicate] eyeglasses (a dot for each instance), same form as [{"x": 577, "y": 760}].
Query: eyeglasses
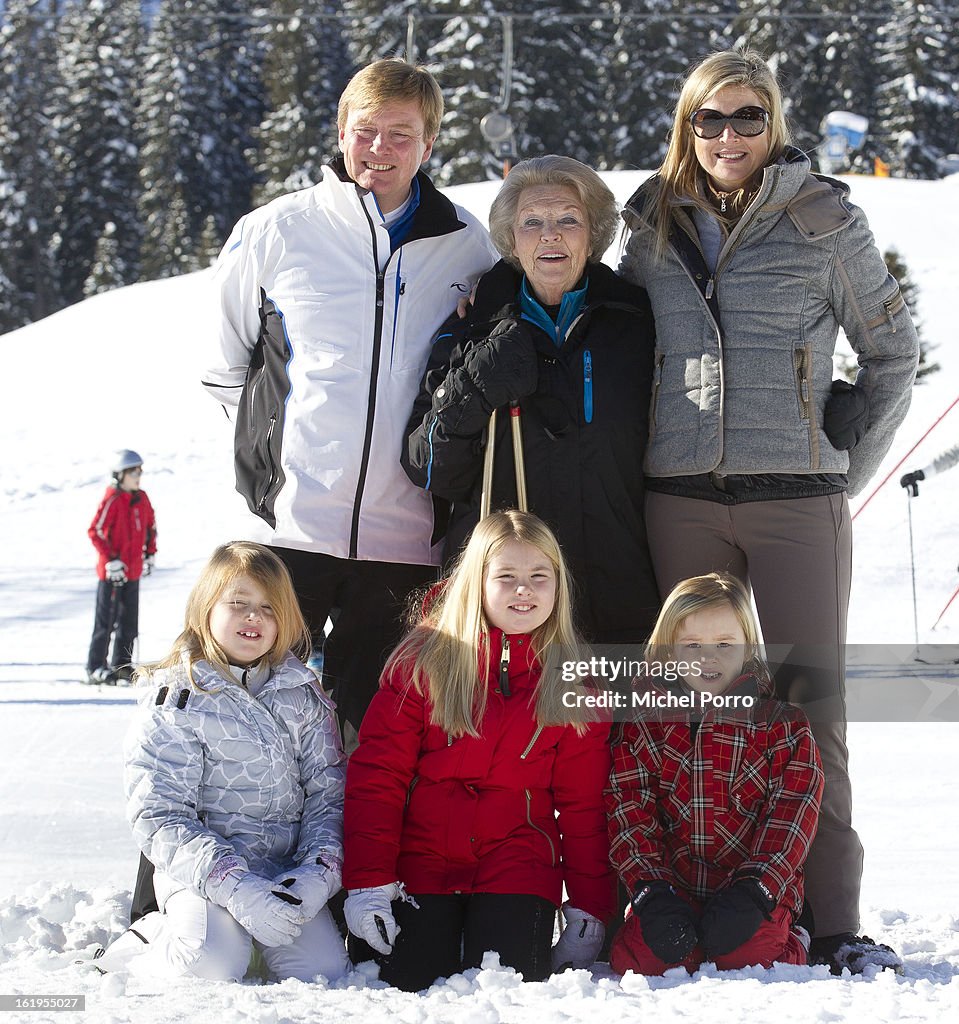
[
  {"x": 747, "y": 122},
  {"x": 136, "y": 471}
]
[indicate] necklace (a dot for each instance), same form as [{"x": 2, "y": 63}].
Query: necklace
[{"x": 737, "y": 197}]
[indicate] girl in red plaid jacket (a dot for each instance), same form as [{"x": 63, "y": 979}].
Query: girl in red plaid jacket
[{"x": 713, "y": 797}]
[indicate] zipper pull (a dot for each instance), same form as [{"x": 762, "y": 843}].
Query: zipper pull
[
  {"x": 504, "y": 668},
  {"x": 710, "y": 288},
  {"x": 588, "y": 385}
]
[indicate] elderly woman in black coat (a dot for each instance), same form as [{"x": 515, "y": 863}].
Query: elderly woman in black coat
[{"x": 557, "y": 332}]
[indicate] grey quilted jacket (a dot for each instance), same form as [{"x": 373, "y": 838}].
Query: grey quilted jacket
[
  {"x": 744, "y": 356},
  {"x": 212, "y": 772}
]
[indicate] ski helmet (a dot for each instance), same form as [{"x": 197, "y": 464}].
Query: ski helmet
[{"x": 126, "y": 459}]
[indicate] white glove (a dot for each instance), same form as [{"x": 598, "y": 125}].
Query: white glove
[
  {"x": 268, "y": 915},
  {"x": 369, "y": 915},
  {"x": 581, "y": 941},
  {"x": 116, "y": 571},
  {"x": 148, "y": 564},
  {"x": 313, "y": 884}
]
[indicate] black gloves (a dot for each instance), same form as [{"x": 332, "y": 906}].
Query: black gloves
[
  {"x": 733, "y": 916},
  {"x": 503, "y": 368},
  {"x": 729, "y": 919},
  {"x": 846, "y": 415},
  {"x": 911, "y": 482},
  {"x": 667, "y": 922}
]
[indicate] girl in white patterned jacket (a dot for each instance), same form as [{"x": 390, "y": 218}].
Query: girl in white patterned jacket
[{"x": 234, "y": 781}]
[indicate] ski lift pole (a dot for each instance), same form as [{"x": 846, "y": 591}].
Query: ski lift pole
[
  {"x": 507, "y": 82},
  {"x": 507, "y": 77},
  {"x": 411, "y": 38},
  {"x": 497, "y": 126},
  {"x": 912, "y": 564}
]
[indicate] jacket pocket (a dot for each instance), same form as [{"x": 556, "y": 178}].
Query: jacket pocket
[
  {"x": 748, "y": 791},
  {"x": 802, "y": 365},
  {"x": 409, "y": 791},
  {"x": 531, "y": 744},
  {"x": 536, "y": 828},
  {"x": 654, "y": 397},
  {"x": 265, "y": 489},
  {"x": 890, "y": 308},
  {"x": 801, "y": 368}
]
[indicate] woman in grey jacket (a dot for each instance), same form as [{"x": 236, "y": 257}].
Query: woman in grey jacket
[
  {"x": 234, "y": 779},
  {"x": 753, "y": 264}
]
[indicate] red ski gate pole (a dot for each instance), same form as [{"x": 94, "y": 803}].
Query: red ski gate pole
[
  {"x": 882, "y": 482},
  {"x": 955, "y": 594}
]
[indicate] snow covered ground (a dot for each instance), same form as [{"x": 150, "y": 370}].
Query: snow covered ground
[{"x": 121, "y": 370}]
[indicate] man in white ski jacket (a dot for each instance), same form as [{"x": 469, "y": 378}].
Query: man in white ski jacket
[{"x": 329, "y": 298}]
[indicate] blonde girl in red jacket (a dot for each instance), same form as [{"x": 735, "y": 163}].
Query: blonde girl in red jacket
[
  {"x": 712, "y": 805},
  {"x": 475, "y": 796}
]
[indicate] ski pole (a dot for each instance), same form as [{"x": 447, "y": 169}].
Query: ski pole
[
  {"x": 519, "y": 462},
  {"x": 515, "y": 414},
  {"x": 912, "y": 563},
  {"x": 486, "y": 496}
]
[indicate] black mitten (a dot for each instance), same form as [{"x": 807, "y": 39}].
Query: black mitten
[
  {"x": 846, "y": 416},
  {"x": 503, "y": 368},
  {"x": 667, "y": 922},
  {"x": 734, "y": 915}
]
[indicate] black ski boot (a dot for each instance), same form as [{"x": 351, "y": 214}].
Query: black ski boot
[{"x": 853, "y": 952}]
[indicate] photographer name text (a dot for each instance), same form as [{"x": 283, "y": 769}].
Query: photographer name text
[{"x": 695, "y": 700}]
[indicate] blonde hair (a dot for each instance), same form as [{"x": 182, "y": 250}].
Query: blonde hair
[
  {"x": 227, "y": 564},
  {"x": 597, "y": 200},
  {"x": 388, "y": 80},
  {"x": 698, "y": 593},
  {"x": 448, "y": 650},
  {"x": 679, "y": 173}
]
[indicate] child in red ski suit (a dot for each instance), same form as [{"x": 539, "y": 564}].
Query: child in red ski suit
[
  {"x": 475, "y": 796},
  {"x": 124, "y": 533}
]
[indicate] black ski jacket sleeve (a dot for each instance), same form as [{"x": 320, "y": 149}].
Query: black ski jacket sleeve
[
  {"x": 445, "y": 432},
  {"x": 476, "y": 365}
]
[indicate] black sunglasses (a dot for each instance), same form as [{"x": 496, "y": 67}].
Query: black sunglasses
[{"x": 747, "y": 121}]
